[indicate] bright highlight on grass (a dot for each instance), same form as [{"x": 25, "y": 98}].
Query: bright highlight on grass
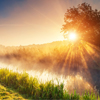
[{"x": 72, "y": 36}]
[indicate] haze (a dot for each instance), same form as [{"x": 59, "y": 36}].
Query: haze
[{"x": 25, "y": 22}]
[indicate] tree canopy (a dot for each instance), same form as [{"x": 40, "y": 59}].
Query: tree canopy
[{"x": 85, "y": 21}]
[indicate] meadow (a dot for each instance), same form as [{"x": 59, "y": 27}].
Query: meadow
[{"x": 26, "y": 87}]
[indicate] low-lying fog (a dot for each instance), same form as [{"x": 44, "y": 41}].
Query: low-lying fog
[{"x": 75, "y": 64}]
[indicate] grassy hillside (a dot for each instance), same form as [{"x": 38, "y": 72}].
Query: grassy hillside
[{"x": 30, "y": 88}]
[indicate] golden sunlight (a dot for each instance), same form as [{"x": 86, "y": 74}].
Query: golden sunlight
[{"x": 72, "y": 36}]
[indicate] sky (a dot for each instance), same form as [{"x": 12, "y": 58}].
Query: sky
[{"x": 27, "y": 22}]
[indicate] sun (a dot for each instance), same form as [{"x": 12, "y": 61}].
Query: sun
[{"x": 72, "y": 36}]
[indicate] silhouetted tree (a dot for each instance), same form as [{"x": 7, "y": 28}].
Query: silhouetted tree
[{"x": 85, "y": 21}]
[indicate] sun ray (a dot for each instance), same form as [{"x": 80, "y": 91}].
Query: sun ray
[{"x": 67, "y": 60}]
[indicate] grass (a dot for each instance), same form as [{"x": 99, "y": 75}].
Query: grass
[
  {"x": 8, "y": 93},
  {"x": 30, "y": 88}
]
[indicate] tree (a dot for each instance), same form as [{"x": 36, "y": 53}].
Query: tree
[{"x": 85, "y": 21}]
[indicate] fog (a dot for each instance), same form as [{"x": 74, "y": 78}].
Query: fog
[{"x": 78, "y": 63}]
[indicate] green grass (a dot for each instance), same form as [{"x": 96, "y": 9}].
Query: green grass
[
  {"x": 30, "y": 88},
  {"x": 8, "y": 93}
]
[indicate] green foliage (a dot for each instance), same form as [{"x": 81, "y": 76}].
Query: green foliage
[
  {"x": 32, "y": 89},
  {"x": 91, "y": 96},
  {"x": 74, "y": 96}
]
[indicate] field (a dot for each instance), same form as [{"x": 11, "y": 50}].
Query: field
[
  {"x": 76, "y": 65},
  {"x": 30, "y": 88}
]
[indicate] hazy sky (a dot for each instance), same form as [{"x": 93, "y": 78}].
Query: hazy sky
[{"x": 25, "y": 22}]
